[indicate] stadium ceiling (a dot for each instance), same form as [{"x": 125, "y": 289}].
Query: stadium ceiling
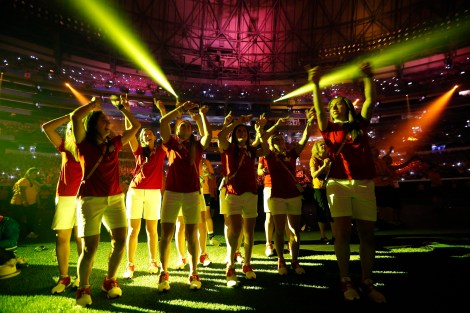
[{"x": 243, "y": 40}]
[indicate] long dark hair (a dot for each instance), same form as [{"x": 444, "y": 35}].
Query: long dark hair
[
  {"x": 353, "y": 125},
  {"x": 235, "y": 141},
  {"x": 90, "y": 122}
]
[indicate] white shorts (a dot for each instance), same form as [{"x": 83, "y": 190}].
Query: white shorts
[
  {"x": 92, "y": 211},
  {"x": 245, "y": 204},
  {"x": 65, "y": 216},
  {"x": 202, "y": 202},
  {"x": 355, "y": 198},
  {"x": 188, "y": 203},
  {"x": 143, "y": 203},
  {"x": 202, "y": 206},
  {"x": 223, "y": 200},
  {"x": 289, "y": 206},
  {"x": 266, "y": 196}
]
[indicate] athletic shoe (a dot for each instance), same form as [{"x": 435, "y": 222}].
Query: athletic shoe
[
  {"x": 231, "y": 276},
  {"x": 62, "y": 283},
  {"x": 204, "y": 260},
  {"x": 129, "y": 273},
  {"x": 181, "y": 264},
  {"x": 194, "y": 282},
  {"x": 239, "y": 257},
  {"x": 281, "y": 267},
  {"x": 350, "y": 293},
  {"x": 368, "y": 288},
  {"x": 164, "y": 281},
  {"x": 153, "y": 267},
  {"x": 83, "y": 297},
  {"x": 111, "y": 287},
  {"x": 299, "y": 270},
  {"x": 248, "y": 271},
  {"x": 76, "y": 283},
  {"x": 214, "y": 242},
  {"x": 269, "y": 252}
]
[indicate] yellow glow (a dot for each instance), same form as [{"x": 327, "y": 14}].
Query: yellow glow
[
  {"x": 81, "y": 98},
  {"x": 103, "y": 15},
  {"x": 393, "y": 55},
  {"x": 429, "y": 117}
]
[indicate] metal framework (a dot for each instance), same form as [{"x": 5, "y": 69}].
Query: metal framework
[{"x": 244, "y": 40}]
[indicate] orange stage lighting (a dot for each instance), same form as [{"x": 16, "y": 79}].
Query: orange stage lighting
[
  {"x": 81, "y": 98},
  {"x": 416, "y": 128}
]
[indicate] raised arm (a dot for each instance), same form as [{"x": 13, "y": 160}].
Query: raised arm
[
  {"x": 306, "y": 134},
  {"x": 50, "y": 129},
  {"x": 130, "y": 132},
  {"x": 280, "y": 122},
  {"x": 133, "y": 142},
  {"x": 165, "y": 128},
  {"x": 79, "y": 114},
  {"x": 314, "y": 75},
  {"x": 206, "y": 130},
  {"x": 259, "y": 128},
  {"x": 370, "y": 91},
  {"x": 223, "y": 142},
  {"x": 197, "y": 119}
]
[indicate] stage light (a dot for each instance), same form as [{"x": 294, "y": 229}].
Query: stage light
[
  {"x": 392, "y": 55},
  {"x": 103, "y": 15}
]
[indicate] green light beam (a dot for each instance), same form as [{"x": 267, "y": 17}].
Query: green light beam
[
  {"x": 393, "y": 55},
  {"x": 102, "y": 15}
]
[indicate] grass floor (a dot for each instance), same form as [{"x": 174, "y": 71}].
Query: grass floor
[{"x": 430, "y": 275}]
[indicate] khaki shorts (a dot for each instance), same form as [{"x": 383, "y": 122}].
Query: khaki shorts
[
  {"x": 143, "y": 203},
  {"x": 289, "y": 206},
  {"x": 65, "y": 216},
  {"x": 245, "y": 204},
  {"x": 188, "y": 202},
  {"x": 354, "y": 198},
  {"x": 92, "y": 211},
  {"x": 266, "y": 196}
]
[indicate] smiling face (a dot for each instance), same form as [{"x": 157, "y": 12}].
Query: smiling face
[
  {"x": 241, "y": 134},
  {"x": 147, "y": 137}
]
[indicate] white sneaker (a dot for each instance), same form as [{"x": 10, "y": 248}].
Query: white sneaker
[
  {"x": 269, "y": 252},
  {"x": 62, "y": 284},
  {"x": 83, "y": 297},
  {"x": 164, "y": 282},
  {"x": 153, "y": 267},
  {"x": 194, "y": 282},
  {"x": 181, "y": 264},
  {"x": 249, "y": 273},
  {"x": 129, "y": 273},
  {"x": 76, "y": 283}
]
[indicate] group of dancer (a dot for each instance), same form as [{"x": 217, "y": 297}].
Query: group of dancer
[{"x": 89, "y": 191}]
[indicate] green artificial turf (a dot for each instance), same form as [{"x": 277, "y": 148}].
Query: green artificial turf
[{"x": 425, "y": 274}]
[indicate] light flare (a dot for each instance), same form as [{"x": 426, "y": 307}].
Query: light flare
[{"x": 102, "y": 15}]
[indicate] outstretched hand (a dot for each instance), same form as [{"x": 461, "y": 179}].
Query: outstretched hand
[
  {"x": 314, "y": 74},
  {"x": 366, "y": 69},
  {"x": 98, "y": 102}
]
